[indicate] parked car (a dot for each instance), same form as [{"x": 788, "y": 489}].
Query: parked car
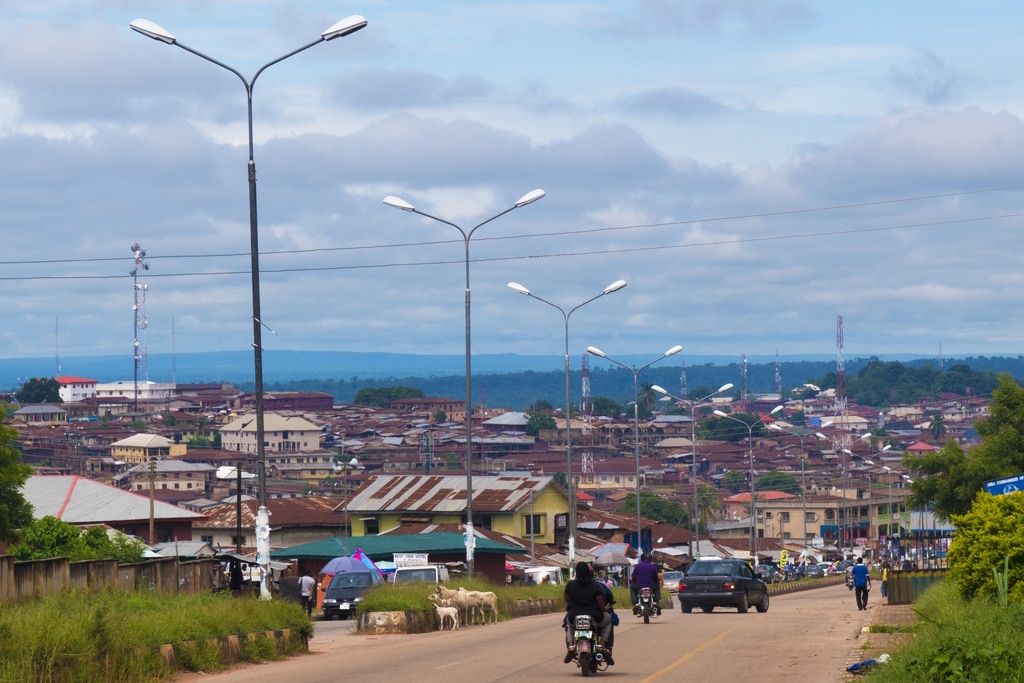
[
  {"x": 670, "y": 579},
  {"x": 708, "y": 584},
  {"x": 345, "y": 592},
  {"x": 420, "y": 574},
  {"x": 769, "y": 573},
  {"x": 815, "y": 571}
]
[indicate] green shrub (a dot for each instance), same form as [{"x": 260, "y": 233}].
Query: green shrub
[
  {"x": 986, "y": 536},
  {"x": 959, "y": 640},
  {"x": 259, "y": 650}
]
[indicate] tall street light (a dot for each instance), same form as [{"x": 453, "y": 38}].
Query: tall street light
[
  {"x": 594, "y": 351},
  {"x": 613, "y": 287},
  {"x": 750, "y": 445},
  {"x": 528, "y": 198},
  {"x": 692, "y": 405},
  {"x": 803, "y": 462},
  {"x": 344, "y": 27}
]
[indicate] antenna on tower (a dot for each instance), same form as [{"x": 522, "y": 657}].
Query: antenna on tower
[
  {"x": 682, "y": 381},
  {"x": 778, "y": 374},
  {"x": 139, "y": 313},
  {"x": 840, "y": 408},
  {"x": 586, "y": 411},
  {"x": 743, "y": 378}
]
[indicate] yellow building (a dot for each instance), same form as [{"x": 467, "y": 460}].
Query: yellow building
[
  {"x": 529, "y": 508},
  {"x": 140, "y": 448}
]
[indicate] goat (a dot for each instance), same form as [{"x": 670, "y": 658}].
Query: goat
[
  {"x": 481, "y": 603},
  {"x": 446, "y": 615},
  {"x": 458, "y": 599}
]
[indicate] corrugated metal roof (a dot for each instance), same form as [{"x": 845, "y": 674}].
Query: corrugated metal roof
[
  {"x": 445, "y": 494},
  {"x": 384, "y": 546},
  {"x": 78, "y": 500}
]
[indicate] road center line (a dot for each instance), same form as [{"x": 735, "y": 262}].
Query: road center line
[{"x": 682, "y": 660}]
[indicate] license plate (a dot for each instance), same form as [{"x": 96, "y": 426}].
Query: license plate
[
  {"x": 583, "y": 634},
  {"x": 343, "y": 605}
]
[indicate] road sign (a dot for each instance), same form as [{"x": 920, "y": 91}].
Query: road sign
[{"x": 999, "y": 487}]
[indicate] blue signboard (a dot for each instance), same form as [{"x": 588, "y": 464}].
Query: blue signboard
[{"x": 999, "y": 487}]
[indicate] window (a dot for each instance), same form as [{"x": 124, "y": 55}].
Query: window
[
  {"x": 534, "y": 524},
  {"x": 784, "y": 516},
  {"x": 371, "y": 526}
]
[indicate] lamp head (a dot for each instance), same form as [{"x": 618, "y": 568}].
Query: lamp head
[
  {"x": 344, "y": 27},
  {"x": 594, "y": 351},
  {"x": 776, "y": 409},
  {"x": 660, "y": 390},
  {"x": 724, "y": 387},
  {"x": 399, "y": 203},
  {"x": 515, "y": 286},
  {"x": 673, "y": 351},
  {"x": 530, "y": 197},
  {"x": 615, "y": 286},
  {"x": 719, "y": 413},
  {"x": 151, "y": 30}
]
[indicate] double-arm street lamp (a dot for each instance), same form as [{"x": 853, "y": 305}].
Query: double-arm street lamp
[
  {"x": 594, "y": 351},
  {"x": 803, "y": 463},
  {"x": 344, "y": 27},
  {"x": 750, "y": 446},
  {"x": 528, "y": 198},
  {"x": 613, "y": 287},
  {"x": 692, "y": 405}
]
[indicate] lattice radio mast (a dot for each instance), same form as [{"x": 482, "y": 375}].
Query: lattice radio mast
[
  {"x": 778, "y": 374},
  {"x": 682, "y": 381},
  {"x": 139, "y": 312},
  {"x": 743, "y": 378},
  {"x": 586, "y": 412},
  {"x": 840, "y": 408}
]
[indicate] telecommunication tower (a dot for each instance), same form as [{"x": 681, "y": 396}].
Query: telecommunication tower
[
  {"x": 743, "y": 378},
  {"x": 139, "y": 313},
  {"x": 682, "y": 382},
  {"x": 586, "y": 412},
  {"x": 840, "y": 408},
  {"x": 778, "y": 374}
]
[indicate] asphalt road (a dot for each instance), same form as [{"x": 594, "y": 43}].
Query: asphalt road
[{"x": 806, "y": 636}]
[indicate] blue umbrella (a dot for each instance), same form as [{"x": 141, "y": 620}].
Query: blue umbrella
[{"x": 343, "y": 564}]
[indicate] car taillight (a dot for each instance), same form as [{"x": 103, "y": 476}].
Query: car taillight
[
  {"x": 729, "y": 585},
  {"x": 682, "y": 586}
]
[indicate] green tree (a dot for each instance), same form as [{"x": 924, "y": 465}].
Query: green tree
[
  {"x": 647, "y": 397},
  {"x": 39, "y": 390},
  {"x": 778, "y": 481},
  {"x": 539, "y": 421},
  {"x": 709, "y": 505},
  {"x": 991, "y": 531},
  {"x": 726, "y": 429},
  {"x": 15, "y": 511},
  {"x": 735, "y": 481},
  {"x": 52, "y": 537},
  {"x": 937, "y": 426},
  {"x": 440, "y": 416},
  {"x": 381, "y": 396},
  {"x": 540, "y": 406},
  {"x": 604, "y": 406},
  {"x": 657, "y": 508},
  {"x": 949, "y": 479}
]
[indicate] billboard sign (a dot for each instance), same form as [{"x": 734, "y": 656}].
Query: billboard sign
[{"x": 999, "y": 487}]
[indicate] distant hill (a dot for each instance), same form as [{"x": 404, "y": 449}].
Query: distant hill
[{"x": 500, "y": 380}]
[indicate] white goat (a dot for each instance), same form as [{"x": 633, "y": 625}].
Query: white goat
[
  {"x": 447, "y": 615},
  {"x": 449, "y": 598},
  {"x": 481, "y": 602}
]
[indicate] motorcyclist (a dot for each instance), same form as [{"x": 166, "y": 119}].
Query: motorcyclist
[
  {"x": 583, "y": 595},
  {"x": 645, "y": 575}
]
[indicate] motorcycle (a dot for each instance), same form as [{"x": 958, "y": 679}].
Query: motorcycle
[
  {"x": 589, "y": 656},
  {"x": 849, "y": 581},
  {"x": 647, "y": 608}
]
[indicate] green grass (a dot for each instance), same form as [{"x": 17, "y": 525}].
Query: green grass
[
  {"x": 116, "y": 635},
  {"x": 977, "y": 641}
]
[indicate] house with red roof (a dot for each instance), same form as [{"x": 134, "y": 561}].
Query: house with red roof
[{"x": 74, "y": 389}]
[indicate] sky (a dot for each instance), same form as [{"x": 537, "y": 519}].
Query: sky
[{"x": 753, "y": 169}]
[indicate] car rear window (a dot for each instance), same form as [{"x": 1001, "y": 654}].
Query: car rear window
[{"x": 710, "y": 569}]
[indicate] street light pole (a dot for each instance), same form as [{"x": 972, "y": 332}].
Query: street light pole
[
  {"x": 342, "y": 28},
  {"x": 613, "y": 287},
  {"x": 803, "y": 464},
  {"x": 692, "y": 404},
  {"x": 594, "y": 351},
  {"x": 753, "y": 495},
  {"x": 528, "y": 198}
]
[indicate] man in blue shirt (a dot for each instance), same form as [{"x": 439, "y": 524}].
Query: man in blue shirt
[
  {"x": 861, "y": 583},
  {"x": 645, "y": 575}
]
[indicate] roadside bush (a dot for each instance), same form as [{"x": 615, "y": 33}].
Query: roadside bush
[
  {"x": 992, "y": 531},
  {"x": 958, "y": 640}
]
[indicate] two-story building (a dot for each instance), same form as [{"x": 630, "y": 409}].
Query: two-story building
[
  {"x": 280, "y": 434},
  {"x": 141, "y": 448}
]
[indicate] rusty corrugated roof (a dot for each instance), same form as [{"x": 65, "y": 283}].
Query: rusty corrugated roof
[{"x": 440, "y": 493}]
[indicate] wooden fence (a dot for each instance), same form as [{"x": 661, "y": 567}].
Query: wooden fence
[{"x": 26, "y": 580}]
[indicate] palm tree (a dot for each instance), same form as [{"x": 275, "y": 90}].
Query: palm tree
[
  {"x": 709, "y": 506},
  {"x": 937, "y": 426}
]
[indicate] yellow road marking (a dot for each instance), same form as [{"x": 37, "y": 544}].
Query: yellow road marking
[{"x": 682, "y": 660}]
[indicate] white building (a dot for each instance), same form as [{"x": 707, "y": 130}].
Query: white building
[
  {"x": 148, "y": 391},
  {"x": 74, "y": 389}
]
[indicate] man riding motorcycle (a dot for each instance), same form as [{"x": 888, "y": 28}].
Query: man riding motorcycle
[
  {"x": 584, "y": 595},
  {"x": 645, "y": 575}
]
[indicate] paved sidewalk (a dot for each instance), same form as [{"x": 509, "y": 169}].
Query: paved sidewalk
[{"x": 870, "y": 645}]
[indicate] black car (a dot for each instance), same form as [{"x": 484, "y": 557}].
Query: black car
[
  {"x": 345, "y": 592},
  {"x": 708, "y": 584}
]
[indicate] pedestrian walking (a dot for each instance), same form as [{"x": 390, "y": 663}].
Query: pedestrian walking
[
  {"x": 307, "y": 588},
  {"x": 861, "y": 583},
  {"x": 885, "y": 579}
]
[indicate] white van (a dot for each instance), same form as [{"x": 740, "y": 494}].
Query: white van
[
  {"x": 422, "y": 574},
  {"x": 541, "y": 575}
]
